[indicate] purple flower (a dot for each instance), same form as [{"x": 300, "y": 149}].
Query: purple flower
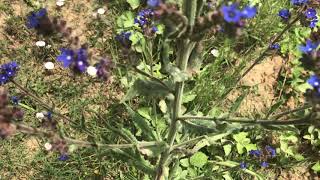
[
  {"x": 15, "y": 100},
  {"x": 264, "y": 164},
  {"x": 299, "y": 2},
  {"x": 256, "y": 153},
  {"x": 63, "y": 157},
  {"x": 231, "y": 13},
  {"x": 33, "y": 20},
  {"x": 284, "y": 14},
  {"x": 66, "y": 57},
  {"x": 314, "y": 81},
  {"x": 77, "y": 60},
  {"x": 311, "y": 13},
  {"x": 243, "y": 165},
  {"x": 313, "y": 23},
  {"x": 7, "y": 71},
  {"x": 271, "y": 150},
  {"x": 309, "y": 47},
  {"x": 275, "y": 46},
  {"x": 153, "y": 3},
  {"x": 249, "y": 12}
]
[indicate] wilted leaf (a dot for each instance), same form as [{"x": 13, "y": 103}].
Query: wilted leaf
[{"x": 163, "y": 106}]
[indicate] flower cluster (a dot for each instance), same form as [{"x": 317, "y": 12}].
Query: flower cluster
[
  {"x": 262, "y": 155},
  {"x": 232, "y": 13},
  {"x": 7, "y": 71},
  {"x": 77, "y": 60},
  {"x": 311, "y": 17},
  {"x": 7, "y": 114},
  {"x": 145, "y": 21}
]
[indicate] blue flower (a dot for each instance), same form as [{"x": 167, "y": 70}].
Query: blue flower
[
  {"x": 309, "y": 47},
  {"x": 153, "y": 3},
  {"x": 8, "y": 71},
  {"x": 314, "y": 81},
  {"x": 271, "y": 150},
  {"x": 249, "y": 12},
  {"x": 311, "y": 13},
  {"x": 284, "y": 14},
  {"x": 33, "y": 20},
  {"x": 299, "y": 2},
  {"x": 49, "y": 115},
  {"x": 154, "y": 29},
  {"x": 231, "y": 13},
  {"x": 255, "y": 153},
  {"x": 264, "y": 164},
  {"x": 144, "y": 17},
  {"x": 243, "y": 165},
  {"x": 63, "y": 157},
  {"x": 66, "y": 57},
  {"x": 313, "y": 23},
  {"x": 124, "y": 39},
  {"x": 77, "y": 60},
  {"x": 275, "y": 46},
  {"x": 15, "y": 100}
]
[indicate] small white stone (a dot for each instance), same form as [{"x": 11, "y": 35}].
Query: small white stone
[
  {"x": 40, "y": 115},
  {"x": 60, "y": 3},
  {"x": 49, "y": 65},
  {"x": 101, "y": 11},
  {"x": 92, "y": 71},
  {"x": 40, "y": 43},
  {"x": 215, "y": 52},
  {"x": 48, "y": 146}
]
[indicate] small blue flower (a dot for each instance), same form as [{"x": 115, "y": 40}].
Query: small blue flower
[
  {"x": 33, "y": 20},
  {"x": 15, "y": 100},
  {"x": 264, "y": 164},
  {"x": 124, "y": 39},
  {"x": 63, "y": 157},
  {"x": 313, "y": 23},
  {"x": 49, "y": 115},
  {"x": 231, "y": 13},
  {"x": 309, "y": 47},
  {"x": 8, "y": 71},
  {"x": 314, "y": 81},
  {"x": 271, "y": 150},
  {"x": 154, "y": 29},
  {"x": 82, "y": 60},
  {"x": 243, "y": 165},
  {"x": 284, "y": 14},
  {"x": 249, "y": 12},
  {"x": 153, "y": 3},
  {"x": 275, "y": 46},
  {"x": 255, "y": 153},
  {"x": 66, "y": 57},
  {"x": 299, "y": 2},
  {"x": 311, "y": 13}
]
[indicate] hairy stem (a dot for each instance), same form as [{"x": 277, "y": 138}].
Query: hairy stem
[
  {"x": 184, "y": 55},
  {"x": 248, "y": 121}
]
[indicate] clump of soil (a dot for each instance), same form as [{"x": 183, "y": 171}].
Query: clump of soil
[{"x": 262, "y": 80}]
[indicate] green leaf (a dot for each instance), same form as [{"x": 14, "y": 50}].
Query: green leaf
[
  {"x": 184, "y": 162},
  {"x": 188, "y": 97},
  {"x": 146, "y": 88},
  {"x": 176, "y": 73},
  {"x": 142, "y": 124},
  {"x": 316, "y": 167},
  {"x": 125, "y": 21},
  {"x": 134, "y": 3},
  {"x": 199, "y": 159},
  {"x": 227, "y": 149}
]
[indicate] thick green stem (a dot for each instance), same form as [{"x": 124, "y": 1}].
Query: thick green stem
[{"x": 184, "y": 55}]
